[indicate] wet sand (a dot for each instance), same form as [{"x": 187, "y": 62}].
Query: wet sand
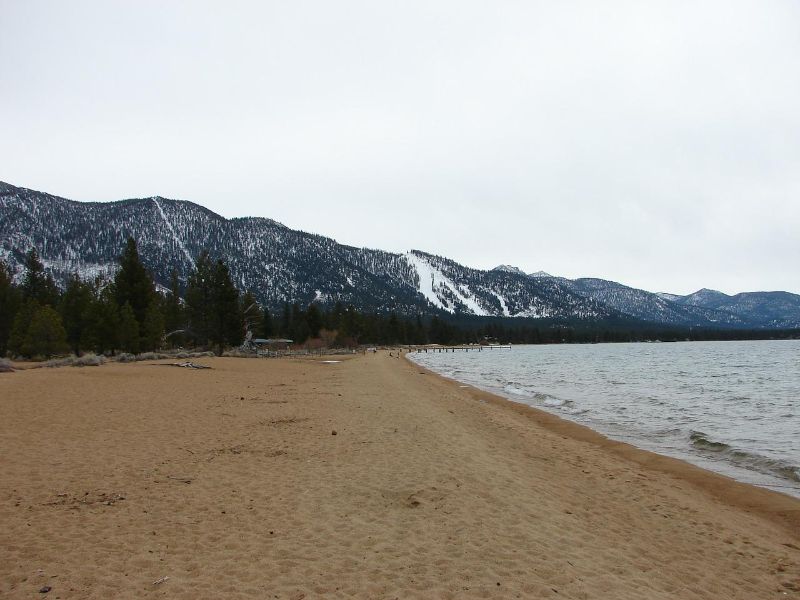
[{"x": 230, "y": 483}]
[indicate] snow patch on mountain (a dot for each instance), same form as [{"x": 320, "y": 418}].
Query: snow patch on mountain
[
  {"x": 503, "y": 305},
  {"x": 178, "y": 242},
  {"x": 668, "y": 296},
  {"x": 432, "y": 280},
  {"x": 426, "y": 283},
  {"x": 86, "y": 271}
]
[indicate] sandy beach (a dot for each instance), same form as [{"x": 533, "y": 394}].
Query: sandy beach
[{"x": 365, "y": 478}]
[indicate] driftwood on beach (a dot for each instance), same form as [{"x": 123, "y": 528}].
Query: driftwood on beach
[{"x": 186, "y": 365}]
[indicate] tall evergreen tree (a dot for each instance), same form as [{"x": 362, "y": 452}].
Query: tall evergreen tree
[
  {"x": 198, "y": 299},
  {"x": 129, "y": 334},
  {"x": 152, "y": 329},
  {"x": 268, "y": 325},
  {"x": 132, "y": 283},
  {"x": 314, "y": 320},
  {"x": 286, "y": 320},
  {"x": 393, "y": 329},
  {"x": 102, "y": 320},
  {"x": 74, "y": 308},
  {"x": 46, "y": 335},
  {"x": 298, "y": 328},
  {"x": 37, "y": 284},
  {"x": 9, "y": 305},
  {"x": 334, "y": 318},
  {"x": 420, "y": 336},
  {"x": 18, "y": 339},
  {"x": 225, "y": 322}
]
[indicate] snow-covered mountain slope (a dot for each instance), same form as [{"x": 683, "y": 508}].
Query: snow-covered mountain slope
[
  {"x": 651, "y": 307},
  {"x": 274, "y": 262},
  {"x": 455, "y": 288},
  {"x": 509, "y": 269},
  {"x": 705, "y": 298},
  {"x": 762, "y": 309},
  {"x": 667, "y": 296},
  {"x": 279, "y": 264}
]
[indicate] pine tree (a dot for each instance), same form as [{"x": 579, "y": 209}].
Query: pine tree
[
  {"x": 153, "y": 328},
  {"x": 419, "y": 332},
  {"x": 9, "y": 305},
  {"x": 102, "y": 320},
  {"x": 298, "y": 328},
  {"x": 301, "y": 331},
  {"x": 314, "y": 320},
  {"x": 198, "y": 299},
  {"x": 267, "y": 326},
  {"x": 225, "y": 323},
  {"x": 335, "y": 316},
  {"x": 18, "y": 339},
  {"x": 37, "y": 284},
  {"x": 129, "y": 336},
  {"x": 286, "y": 320},
  {"x": 393, "y": 332},
  {"x": 46, "y": 335},
  {"x": 74, "y": 309},
  {"x": 350, "y": 328},
  {"x": 132, "y": 283}
]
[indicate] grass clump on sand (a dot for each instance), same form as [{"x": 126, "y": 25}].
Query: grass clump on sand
[
  {"x": 151, "y": 356},
  {"x": 87, "y": 360},
  {"x": 127, "y": 357},
  {"x": 236, "y": 353},
  {"x": 194, "y": 354}
]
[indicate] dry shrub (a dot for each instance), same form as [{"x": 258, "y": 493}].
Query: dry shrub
[
  {"x": 238, "y": 353},
  {"x": 88, "y": 360},
  {"x": 59, "y": 362}
]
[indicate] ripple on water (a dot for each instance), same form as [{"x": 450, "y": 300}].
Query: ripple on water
[{"x": 740, "y": 399}]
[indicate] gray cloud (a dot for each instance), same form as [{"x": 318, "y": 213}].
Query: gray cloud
[{"x": 655, "y": 143}]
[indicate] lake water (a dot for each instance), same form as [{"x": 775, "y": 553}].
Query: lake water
[{"x": 730, "y": 407}]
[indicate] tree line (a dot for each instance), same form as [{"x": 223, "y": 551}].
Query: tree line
[{"x": 129, "y": 313}]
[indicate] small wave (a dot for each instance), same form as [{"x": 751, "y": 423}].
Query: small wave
[
  {"x": 747, "y": 460},
  {"x": 511, "y": 389},
  {"x": 551, "y": 401},
  {"x": 700, "y": 440}
]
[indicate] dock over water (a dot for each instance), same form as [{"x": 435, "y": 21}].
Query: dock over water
[{"x": 467, "y": 348}]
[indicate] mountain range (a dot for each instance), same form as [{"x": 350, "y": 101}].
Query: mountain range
[{"x": 279, "y": 264}]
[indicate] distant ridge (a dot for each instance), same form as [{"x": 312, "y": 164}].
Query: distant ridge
[
  {"x": 280, "y": 265},
  {"x": 509, "y": 269}
]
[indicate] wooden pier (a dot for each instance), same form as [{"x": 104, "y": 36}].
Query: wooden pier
[{"x": 475, "y": 348}]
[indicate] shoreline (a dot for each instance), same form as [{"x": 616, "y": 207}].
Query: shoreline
[
  {"x": 366, "y": 478},
  {"x": 774, "y": 505}
]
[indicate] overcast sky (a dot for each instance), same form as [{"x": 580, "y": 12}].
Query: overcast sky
[{"x": 653, "y": 143}]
